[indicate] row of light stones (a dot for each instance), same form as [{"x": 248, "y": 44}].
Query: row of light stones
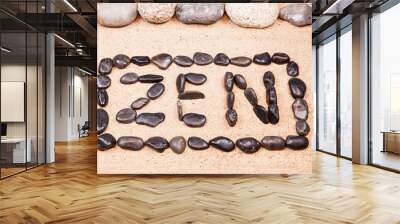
[{"x": 178, "y": 144}]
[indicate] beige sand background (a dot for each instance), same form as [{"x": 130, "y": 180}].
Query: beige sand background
[{"x": 175, "y": 38}]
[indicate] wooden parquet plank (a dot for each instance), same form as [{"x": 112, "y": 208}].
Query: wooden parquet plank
[{"x": 70, "y": 191}]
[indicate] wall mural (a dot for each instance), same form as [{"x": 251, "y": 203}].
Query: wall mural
[{"x": 174, "y": 108}]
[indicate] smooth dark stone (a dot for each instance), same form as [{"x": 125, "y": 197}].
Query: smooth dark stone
[
  {"x": 105, "y": 66},
  {"x": 272, "y": 98},
  {"x": 180, "y": 110},
  {"x": 230, "y": 98},
  {"x": 248, "y": 145},
  {"x": 130, "y": 143},
  {"x": 251, "y": 96},
  {"x": 155, "y": 91},
  {"x": 273, "y": 113},
  {"x": 228, "y": 81},
  {"x": 222, "y": 143},
  {"x": 296, "y": 142},
  {"x": 103, "y": 82},
  {"x": 140, "y": 103},
  {"x": 221, "y": 59},
  {"x": 241, "y": 61},
  {"x": 196, "y": 78},
  {"x": 261, "y": 113},
  {"x": 121, "y": 61},
  {"x": 183, "y": 61},
  {"x": 162, "y": 61},
  {"x": 273, "y": 143},
  {"x": 140, "y": 60},
  {"x": 269, "y": 80},
  {"x": 191, "y": 95},
  {"x": 126, "y": 116},
  {"x": 194, "y": 120},
  {"x": 102, "y": 97},
  {"x": 105, "y": 142},
  {"x": 197, "y": 143},
  {"x": 129, "y": 78},
  {"x": 177, "y": 144},
  {"x": 300, "y": 109},
  {"x": 240, "y": 81},
  {"x": 297, "y": 88},
  {"x": 280, "y": 58},
  {"x": 102, "y": 120},
  {"x": 150, "y": 119},
  {"x": 157, "y": 143},
  {"x": 292, "y": 69},
  {"x": 150, "y": 78},
  {"x": 180, "y": 83},
  {"x": 302, "y": 128},
  {"x": 231, "y": 116},
  {"x": 262, "y": 59},
  {"x": 200, "y": 58}
]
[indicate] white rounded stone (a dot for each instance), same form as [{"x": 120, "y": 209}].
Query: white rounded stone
[
  {"x": 252, "y": 15},
  {"x": 156, "y": 12},
  {"x": 116, "y": 14}
]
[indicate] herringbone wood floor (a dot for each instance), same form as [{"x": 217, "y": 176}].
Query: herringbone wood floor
[{"x": 69, "y": 191}]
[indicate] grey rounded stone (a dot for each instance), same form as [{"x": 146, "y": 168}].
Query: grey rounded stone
[
  {"x": 201, "y": 58},
  {"x": 129, "y": 78},
  {"x": 177, "y": 144},
  {"x": 155, "y": 91},
  {"x": 248, "y": 145},
  {"x": 116, "y": 14},
  {"x": 194, "y": 120},
  {"x": 197, "y": 143},
  {"x": 121, "y": 61},
  {"x": 183, "y": 61},
  {"x": 196, "y": 78},
  {"x": 300, "y": 109},
  {"x": 126, "y": 116},
  {"x": 299, "y": 14},
  {"x": 105, "y": 66},
  {"x": 296, "y": 142},
  {"x": 130, "y": 143},
  {"x": 252, "y": 15},
  {"x": 140, "y": 103},
  {"x": 105, "y": 142},
  {"x": 156, "y": 12},
  {"x": 162, "y": 61},
  {"x": 159, "y": 144},
  {"x": 199, "y": 13},
  {"x": 103, "y": 82},
  {"x": 102, "y": 120},
  {"x": 150, "y": 119},
  {"x": 302, "y": 128},
  {"x": 273, "y": 143}
]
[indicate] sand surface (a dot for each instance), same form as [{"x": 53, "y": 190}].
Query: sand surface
[{"x": 175, "y": 38}]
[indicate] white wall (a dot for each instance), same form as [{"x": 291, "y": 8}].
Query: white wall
[{"x": 71, "y": 102}]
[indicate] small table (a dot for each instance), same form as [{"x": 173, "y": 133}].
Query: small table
[
  {"x": 17, "y": 150},
  {"x": 391, "y": 141}
]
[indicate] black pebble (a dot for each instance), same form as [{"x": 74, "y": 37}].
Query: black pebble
[
  {"x": 180, "y": 83},
  {"x": 280, "y": 58},
  {"x": 150, "y": 119},
  {"x": 162, "y": 61},
  {"x": 248, "y": 145},
  {"x": 221, "y": 59},
  {"x": 103, "y": 82},
  {"x": 130, "y": 143},
  {"x": 241, "y": 61},
  {"x": 228, "y": 81},
  {"x": 157, "y": 143},
  {"x": 102, "y": 97},
  {"x": 155, "y": 91},
  {"x": 251, "y": 96},
  {"x": 140, "y": 103},
  {"x": 197, "y": 143},
  {"x": 297, "y": 88},
  {"x": 150, "y": 78},
  {"x": 129, "y": 78},
  {"x": 191, "y": 95},
  {"x": 200, "y": 58},
  {"x": 296, "y": 142},
  {"x": 183, "y": 61},
  {"x": 231, "y": 116},
  {"x": 180, "y": 110},
  {"x": 300, "y": 109},
  {"x": 102, "y": 120},
  {"x": 105, "y": 142},
  {"x": 194, "y": 120},
  {"x": 273, "y": 113},
  {"x": 273, "y": 143},
  {"x": 230, "y": 98},
  {"x": 240, "y": 81},
  {"x": 222, "y": 143},
  {"x": 126, "y": 116},
  {"x": 261, "y": 113},
  {"x": 140, "y": 60},
  {"x": 105, "y": 66},
  {"x": 272, "y": 98},
  {"x": 269, "y": 79},
  {"x": 121, "y": 61},
  {"x": 302, "y": 128},
  {"x": 262, "y": 59},
  {"x": 196, "y": 78},
  {"x": 292, "y": 69}
]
